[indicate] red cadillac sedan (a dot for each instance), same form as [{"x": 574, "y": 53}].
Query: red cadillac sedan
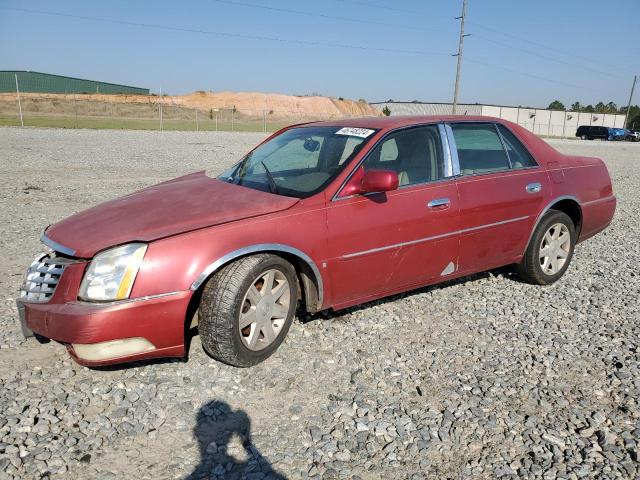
[{"x": 323, "y": 215}]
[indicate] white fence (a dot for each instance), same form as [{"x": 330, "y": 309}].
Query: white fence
[{"x": 539, "y": 121}]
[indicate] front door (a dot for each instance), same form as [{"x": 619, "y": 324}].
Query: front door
[
  {"x": 501, "y": 190},
  {"x": 381, "y": 243}
]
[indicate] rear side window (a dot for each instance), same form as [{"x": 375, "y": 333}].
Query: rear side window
[
  {"x": 518, "y": 154},
  {"x": 479, "y": 148}
]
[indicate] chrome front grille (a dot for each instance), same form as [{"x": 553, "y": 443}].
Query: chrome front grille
[{"x": 42, "y": 278}]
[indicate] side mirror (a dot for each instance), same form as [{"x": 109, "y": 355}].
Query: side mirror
[
  {"x": 379, "y": 181},
  {"x": 371, "y": 181}
]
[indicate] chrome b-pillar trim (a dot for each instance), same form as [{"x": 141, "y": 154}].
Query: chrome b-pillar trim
[
  {"x": 57, "y": 246},
  {"x": 262, "y": 247},
  {"x": 446, "y": 150},
  {"x": 453, "y": 149}
]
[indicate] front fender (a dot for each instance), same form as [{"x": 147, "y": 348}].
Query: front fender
[{"x": 185, "y": 261}]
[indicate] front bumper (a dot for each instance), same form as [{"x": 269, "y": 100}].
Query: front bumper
[{"x": 106, "y": 333}]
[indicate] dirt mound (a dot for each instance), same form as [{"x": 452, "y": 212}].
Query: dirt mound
[{"x": 248, "y": 103}]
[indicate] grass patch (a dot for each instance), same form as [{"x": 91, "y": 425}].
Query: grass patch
[{"x": 141, "y": 124}]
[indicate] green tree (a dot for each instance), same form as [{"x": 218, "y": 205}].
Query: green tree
[
  {"x": 611, "y": 107},
  {"x": 589, "y": 109},
  {"x": 576, "y": 107},
  {"x": 634, "y": 116},
  {"x": 556, "y": 105},
  {"x": 386, "y": 111},
  {"x": 601, "y": 107}
]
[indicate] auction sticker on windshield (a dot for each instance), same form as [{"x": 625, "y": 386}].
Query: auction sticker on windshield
[{"x": 355, "y": 132}]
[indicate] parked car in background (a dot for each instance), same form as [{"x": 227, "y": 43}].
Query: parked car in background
[
  {"x": 633, "y": 135},
  {"x": 593, "y": 132},
  {"x": 324, "y": 215},
  {"x": 618, "y": 134}
]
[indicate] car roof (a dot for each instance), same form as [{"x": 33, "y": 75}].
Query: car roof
[{"x": 391, "y": 122}]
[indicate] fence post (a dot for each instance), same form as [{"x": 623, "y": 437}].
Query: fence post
[
  {"x": 233, "y": 112},
  {"x": 19, "y": 104},
  {"x": 75, "y": 108},
  {"x": 160, "y": 105}
]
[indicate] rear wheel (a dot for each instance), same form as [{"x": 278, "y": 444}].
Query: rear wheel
[
  {"x": 550, "y": 250},
  {"x": 584, "y": 137},
  {"x": 247, "y": 308}
]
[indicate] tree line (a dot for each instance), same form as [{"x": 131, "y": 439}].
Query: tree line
[{"x": 601, "y": 107}]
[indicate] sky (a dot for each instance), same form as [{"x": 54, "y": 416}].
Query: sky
[{"x": 518, "y": 53}]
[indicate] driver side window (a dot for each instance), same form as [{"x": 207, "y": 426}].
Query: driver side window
[{"x": 415, "y": 154}]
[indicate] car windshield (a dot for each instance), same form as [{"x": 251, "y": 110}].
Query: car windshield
[{"x": 299, "y": 162}]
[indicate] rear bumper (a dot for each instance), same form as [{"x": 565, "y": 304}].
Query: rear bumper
[{"x": 102, "y": 334}]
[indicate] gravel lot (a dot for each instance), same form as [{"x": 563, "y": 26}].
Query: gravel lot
[{"x": 485, "y": 377}]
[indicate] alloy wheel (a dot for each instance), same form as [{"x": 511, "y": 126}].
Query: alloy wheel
[
  {"x": 264, "y": 309},
  {"x": 555, "y": 248}
]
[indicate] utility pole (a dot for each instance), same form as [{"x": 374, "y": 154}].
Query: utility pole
[
  {"x": 19, "y": 104},
  {"x": 459, "y": 54},
  {"x": 626, "y": 117}
]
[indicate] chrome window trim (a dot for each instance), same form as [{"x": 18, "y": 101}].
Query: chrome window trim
[
  {"x": 471, "y": 175},
  {"x": 57, "y": 247},
  {"x": 453, "y": 148},
  {"x": 434, "y": 237},
  {"x": 537, "y": 164},
  {"x": 262, "y": 247},
  {"x": 504, "y": 145},
  {"x": 337, "y": 197},
  {"x": 446, "y": 151}
]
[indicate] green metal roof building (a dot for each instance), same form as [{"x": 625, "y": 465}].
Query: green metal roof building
[{"x": 36, "y": 82}]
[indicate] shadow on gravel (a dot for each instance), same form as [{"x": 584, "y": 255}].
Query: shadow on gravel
[{"x": 226, "y": 451}]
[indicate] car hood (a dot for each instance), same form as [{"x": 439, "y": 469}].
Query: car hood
[{"x": 177, "y": 206}]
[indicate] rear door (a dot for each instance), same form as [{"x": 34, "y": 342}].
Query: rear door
[
  {"x": 501, "y": 189},
  {"x": 380, "y": 243}
]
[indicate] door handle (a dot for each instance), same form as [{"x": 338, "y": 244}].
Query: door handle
[
  {"x": 534, "y": 187},
  {"x": 439, "y": 203}
]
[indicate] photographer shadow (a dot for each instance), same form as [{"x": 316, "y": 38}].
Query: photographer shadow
[{"x": 226, "y": 450}]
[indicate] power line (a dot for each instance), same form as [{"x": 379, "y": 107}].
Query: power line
[
  {"x": 530, "y": 75},
  {"x": 275, "y": 39},
  {"x": 326, "y": 16},
  {"x": 542, "y": 45},
  {"x": 499, "y": 32},
  {"x": 224, "y": 34},
  {"x": 545, "y": 57}
]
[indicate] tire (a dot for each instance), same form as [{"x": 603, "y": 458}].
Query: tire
[
  {"x": 236, "y": 291},
  {"x": 539, "y": 270},
  {"x": 584, "y": 137}
]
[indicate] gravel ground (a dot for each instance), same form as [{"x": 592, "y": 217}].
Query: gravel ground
[{"x": 485, "y": 377}]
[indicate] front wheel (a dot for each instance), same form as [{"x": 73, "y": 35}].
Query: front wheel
[
  {"x": 247, "y": 308},
  {"x": 550, "y": 249}
]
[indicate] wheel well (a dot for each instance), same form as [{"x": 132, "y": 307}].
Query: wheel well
[
  {"x": 309, "y": 284},
  {"x": 309, "y": 288},
  {"x": 572, "y": 209}
]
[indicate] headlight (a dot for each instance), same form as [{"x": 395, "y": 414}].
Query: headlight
[{"x": 111, "y": 273}]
